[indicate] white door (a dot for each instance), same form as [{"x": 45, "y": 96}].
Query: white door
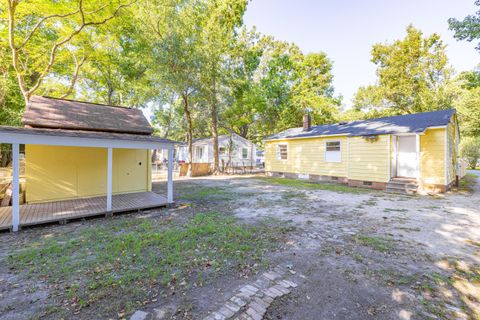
[{"x": 407, "y": 164}]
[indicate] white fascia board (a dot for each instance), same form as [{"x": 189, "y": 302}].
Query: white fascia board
[
  {"x": 437, "y": 127},
  {"x": 51, "y": 140},
  {"x": 309, "y": 137}
]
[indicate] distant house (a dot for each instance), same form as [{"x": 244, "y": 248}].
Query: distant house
[
  {"x": 404, "y": 154},
  {"x": 234, "y": 151}
]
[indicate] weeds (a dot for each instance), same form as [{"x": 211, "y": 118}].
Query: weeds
[
  {"x": 314, "y": 185},
  {"x": 127, "y": 258}
]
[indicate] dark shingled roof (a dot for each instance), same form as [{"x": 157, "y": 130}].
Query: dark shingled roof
[
  {"x": 45, "y": 112},
  {"x": 410, "y": 123}
]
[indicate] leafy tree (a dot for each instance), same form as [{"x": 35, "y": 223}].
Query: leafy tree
[
  {"x": 412, "y": 75},
  {"x": 470, "y": 150},
  {"x": 468, "y": 28},
  {"x": 171, "y": 29},
  {"x": 466, "y": 92},
  {"x": 314, "y": 90},
  {"x": 218, "y": 31},
  {"x": 11, "y": 99},
  {"x": 245, "y": 96},
  {"x": 43, "y": 35}
]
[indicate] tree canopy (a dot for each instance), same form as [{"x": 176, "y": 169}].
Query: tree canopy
[
  {"x": 204, "y": 73},
  {"x": 412, "y": 75}
]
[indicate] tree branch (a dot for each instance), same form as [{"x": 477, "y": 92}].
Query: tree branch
[
  {"x": 39, "y": 23},
  {"x": 75, "y": 75},
  {"x": 59, "y": 44}
]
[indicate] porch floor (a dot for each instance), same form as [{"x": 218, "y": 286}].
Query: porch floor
[{"x": 39, "y": 213}]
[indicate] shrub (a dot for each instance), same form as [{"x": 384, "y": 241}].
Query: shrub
[{"x": 470, "y": 151}]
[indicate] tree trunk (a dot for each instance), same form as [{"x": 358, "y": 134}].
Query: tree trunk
[
  {"x": 188, "y": 118},
  {"x": 214, "y": 115}
]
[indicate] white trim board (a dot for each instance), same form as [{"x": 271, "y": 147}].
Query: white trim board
[{"x": 41, "y": 139}]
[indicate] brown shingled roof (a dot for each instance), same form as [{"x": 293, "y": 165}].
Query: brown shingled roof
[{"x": 45, "y": 112}]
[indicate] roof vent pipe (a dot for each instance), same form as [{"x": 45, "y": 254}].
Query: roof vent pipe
[{"x": 307, "y": 122}]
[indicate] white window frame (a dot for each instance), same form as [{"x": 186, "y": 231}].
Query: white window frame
[
  {"x": 199, "y": 149},
  {"x": 333, "y": 156},
  {"x": 279, "y": 155},
  {"x": 242, "y": 155}
]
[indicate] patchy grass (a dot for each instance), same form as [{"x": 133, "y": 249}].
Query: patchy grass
[
  {"x": 207, "y": 193},
  {"x": 467, "y": 182},
  {"x": 296, "y": 183},
  {"x": 369, "y": 202},
  {"x": 379, "y": 243},
  {"x": 459, "y": 283},
  {"x": 137, "y": 259},
  {"x": 394, "y": 210},
  {"x": 293, "y": 195}
]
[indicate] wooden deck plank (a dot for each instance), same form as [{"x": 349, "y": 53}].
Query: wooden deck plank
[{"x": 38, "y": 213}]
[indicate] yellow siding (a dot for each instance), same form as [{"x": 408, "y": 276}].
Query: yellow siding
[
  {"x": 369, "y": 160},
  {"x": 54, "y": 173},
  {"x": 306, "y": 156},
  {"x": 432, "y": 170}
]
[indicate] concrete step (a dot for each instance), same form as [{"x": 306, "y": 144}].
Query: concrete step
[
  {"x": 407, "y": 186},
  {"x": 396, "y": 184}
]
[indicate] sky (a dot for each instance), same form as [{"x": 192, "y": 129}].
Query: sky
[{"x": 346, "y": 30}]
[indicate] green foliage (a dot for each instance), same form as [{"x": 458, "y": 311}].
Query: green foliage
[
  {"x": 468, "y": 28},
  {"x": 379, "y": 243},
  {"x": 470, "y": 150},
  {"x": 48, "y": 41},
  {"x": 296, "y": 183},
  {"x": 412, "y": 75}
]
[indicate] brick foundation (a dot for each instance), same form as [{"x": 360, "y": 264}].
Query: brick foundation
[
  {"x": 373, "y": 185},
  {"x": 422, "y": 188},
  {"x": 430, "y": 188}
]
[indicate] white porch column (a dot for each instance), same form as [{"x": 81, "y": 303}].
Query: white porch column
[
  {"x": 15, "y": 187},
  {"x": 109, "y": 180},
  {"x": 170, "y": 176},
  {"x": 419, "y": 160}
]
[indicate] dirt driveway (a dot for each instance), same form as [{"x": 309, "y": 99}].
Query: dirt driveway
[
  {"x": 367, "y": 254},
  {"x": 354, "y": 253}
]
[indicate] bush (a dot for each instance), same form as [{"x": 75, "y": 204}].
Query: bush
[{"x": 470, "y": 151}]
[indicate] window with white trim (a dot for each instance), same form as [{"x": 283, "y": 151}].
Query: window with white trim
[
  {"x": 222, "y": 151},
  {"x": 282, "y": 152},
  {"x": 244, "y": 153},
  {"x": 333, "y": 152},
  {"x": 199, "y": 153}
]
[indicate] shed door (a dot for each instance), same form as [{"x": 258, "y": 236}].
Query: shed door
[{"x": 407, "y": 164}]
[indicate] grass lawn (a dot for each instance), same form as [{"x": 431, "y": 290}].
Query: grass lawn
[
  {"x": 467, "y": 182},
  {"x": 302, "y": 184},
  {"x": 135, "y": 260}
]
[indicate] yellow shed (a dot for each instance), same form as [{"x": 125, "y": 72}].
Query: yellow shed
[
  {"x": 402, "y": 154},
  {"x": 81, "y": 159}
]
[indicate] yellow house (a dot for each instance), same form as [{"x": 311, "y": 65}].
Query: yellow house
[
  {"x": 402, "y": 154},
  {"x": 81, "y": 159}
]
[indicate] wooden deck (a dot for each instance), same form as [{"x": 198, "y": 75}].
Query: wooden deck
[{"x": 60, "y": 211}]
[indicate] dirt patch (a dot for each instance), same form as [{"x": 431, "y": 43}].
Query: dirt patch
[{"x": 363, "y": 254}]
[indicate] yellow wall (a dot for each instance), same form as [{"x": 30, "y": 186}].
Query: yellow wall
[
  {"x": 365, "y": 160},
  {"x": 432, "y": 154},
  {"x": 306, "y": 156},
  {"x": 54, "y": 173},
  {"x": 369, "y": 160}
]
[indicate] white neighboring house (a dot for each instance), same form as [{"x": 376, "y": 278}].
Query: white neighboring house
[{"x": 240, "y": 151}]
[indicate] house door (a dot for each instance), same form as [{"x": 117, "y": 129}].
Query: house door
[{"x": 407, "y": 163}]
